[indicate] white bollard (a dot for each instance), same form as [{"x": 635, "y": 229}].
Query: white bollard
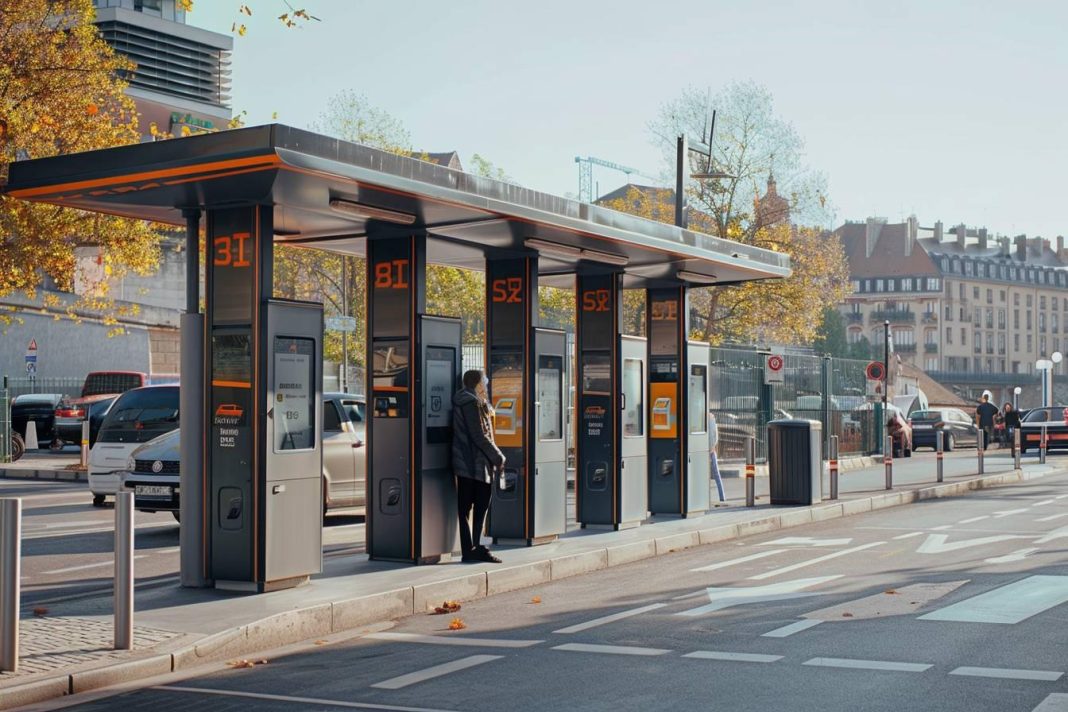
[
  {"x": 84, "y": 463},
  {"x": 10, "y": 571},
  {"x": 124, "y": 570},
  {"x": 31, "y": 435}
]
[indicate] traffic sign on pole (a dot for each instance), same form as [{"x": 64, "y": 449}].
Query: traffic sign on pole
[
  {"x": 875, "y": 371},
  {"x": 773, "y": 369},
  {"x": 31, "y": 358}
]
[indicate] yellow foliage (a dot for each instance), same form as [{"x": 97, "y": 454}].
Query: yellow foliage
[{"x": 60, "y": 93}]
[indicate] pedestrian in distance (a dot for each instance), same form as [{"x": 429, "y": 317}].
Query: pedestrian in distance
[
  {"x": 1012, "y": 421},
  {"x": 476, "y": 459},
  {"x": 984, "y": 417}
]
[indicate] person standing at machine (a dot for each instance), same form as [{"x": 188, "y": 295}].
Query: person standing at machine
[{"x": 475, "y": 460}]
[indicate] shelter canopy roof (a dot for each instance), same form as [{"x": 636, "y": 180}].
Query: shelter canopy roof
[{"x": 327, "y": 192}]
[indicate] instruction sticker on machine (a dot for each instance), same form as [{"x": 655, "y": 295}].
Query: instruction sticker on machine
[{"x": 294, "y": 412}]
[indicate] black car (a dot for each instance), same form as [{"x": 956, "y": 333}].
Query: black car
[
  {"x": 1050, "y": 421},
  {"x": 69, "y": 420},
  {"x": 958, "y": 428},
  {"x": 41, "y": 409}
]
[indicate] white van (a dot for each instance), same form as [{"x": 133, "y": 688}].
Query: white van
[{"x": 135, "y": 417}]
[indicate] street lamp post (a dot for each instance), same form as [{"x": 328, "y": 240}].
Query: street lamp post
[
  {"x": 886, "y": 362},
  {"x": 1016, "y": 397},
  {"x": 1045, "y": 366},
  {"x": 1056, "y": 357}
]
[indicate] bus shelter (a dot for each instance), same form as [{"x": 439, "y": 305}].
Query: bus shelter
[{"x": 252, "y": 365}]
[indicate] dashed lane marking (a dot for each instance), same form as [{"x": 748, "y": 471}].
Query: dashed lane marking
[
  {"x": 970, "y": 520},
  {"x": 451, "y": 640},
  {"x": 817, "y": 560},
  {"x": 1055, "y": 534},
  {"x": 1008, "y": 513},
  {"x": 579, "y": 627},
  {"x": 740, "y": 560},
  {"x": 909, "y": 535},
  {"x": 1057, "y": 702},
  {"x": 412, "y": 678},
  {"x": 610, "y": 649},
  {"x": 886, "y": 665},
  {"x": 788, "y": 630},
  {"x": 806, "y": 541},
  {"x": 936, "y": 543},
  {"x": 299, "y": 700},
  {"x": 734, "y": 657},
  {"x": 84, "y": 567},
  {"x": 1018, "y": 555},
  {"x": 1043, "y": 503},
  {"x": 1051, "y": 517},
  {"x": 942, "y": 527},
  {"x": 726, "y": 597},
  {"x": 1008, "y": 673}
]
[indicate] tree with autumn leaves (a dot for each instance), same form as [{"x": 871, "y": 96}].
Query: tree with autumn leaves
[{"x": 61, "y": 91}]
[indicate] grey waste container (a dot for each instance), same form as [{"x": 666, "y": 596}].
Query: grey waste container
[{"x": 795, "y": 461}]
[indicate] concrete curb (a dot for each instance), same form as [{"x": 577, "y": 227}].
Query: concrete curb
[
  {"x": 13, "y": 473},
  {"x": 340, "y": 616}
]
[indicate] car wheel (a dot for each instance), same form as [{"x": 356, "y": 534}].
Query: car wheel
[
  {"x": 98, "y": 500},
  {"x": 56, "y": 445},
  {"x": 948, "y": 444},
  {"x": 326, "y": 501},
  {"x": 18, "y": 447},
  {"x": 177, "y": 516}
]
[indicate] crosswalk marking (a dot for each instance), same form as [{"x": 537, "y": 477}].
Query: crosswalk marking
[
  {"x": 817, "y": 560},
  {"x": 740, "y": 560},
  {"x": 788, "y": 630},
  {"x": 579, "y": 627},
  {"x": 868, "y": 664},
  {"x": 1008, "y": 604},
  {"x": 451, "y": 640},
  {"x": 610, "y": 649},
  {"x": 396, "y": 683},
  {"x": 735, "y": 657},
  {"x": 1008, "y": 673}
]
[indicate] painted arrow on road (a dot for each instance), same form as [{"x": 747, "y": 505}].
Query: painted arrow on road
[
  {"x": 806, "y": 541},
  {"x": 936, "y": 543},
  {"x": 720, "y": 598},
  {"x": 1018, "y": 555}
]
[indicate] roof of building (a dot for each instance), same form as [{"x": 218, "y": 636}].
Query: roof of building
[
  {"x": 887, "y": 257},
  {"x": 937, "y": 394}
]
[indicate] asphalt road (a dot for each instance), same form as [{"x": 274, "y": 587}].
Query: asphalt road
[{"x": 954, "y": 604}]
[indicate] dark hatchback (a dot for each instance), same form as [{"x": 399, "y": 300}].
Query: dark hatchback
[
  {"x": 1049, "y": 420},
  {"x": 41, "y": 409},
  {"x": 958, "y": 428}
]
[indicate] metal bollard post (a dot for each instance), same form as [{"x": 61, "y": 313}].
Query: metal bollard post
[
  {"x": 10, "y": 572},
  {"x": 84, "y": 463},
  {"x": 888, "y": 460},
  {"x": 833, "y": 466},
  {"x": 939, "y": 453},
  {"x": 980, "y": 450},
  {"x": 124, "y": 573},
  {"x": 1016, "y": 448},
  {"x": 750, "y": 472},
  {"x": 1042, "y": 447}
]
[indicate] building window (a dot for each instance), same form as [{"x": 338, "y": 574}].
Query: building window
[
  {"x": 1042, "y": 302},
  {"x": 854, "y": 335},
  {"x": 1015, "y": 318},
  {"x": 1054, "y": 302},
  {"x": 856, "y": 285},
  {"x": 1042, "y": 346},
  {"x": 1016, "y": 300},
  {"x": 906, "y": 284},
  {"x": 855, "y": 307},
  {"x": 963, "y": 337},
  {"x": 1001, "y": 297},
  {"x": 878, "y": 285},
  {"x": 975, "y": 293},
  {"x": 1029, "y": 325},
  {"x": 978, "y": 316},
  {"x": 1056, "y": 343},
  {"x": 1041, "y": 322},
  {"x": 1015, "y": 342},
  {"x": 968, "y": 268},
  {"x": 949, "y": 335},
  {"x": 1030, "y": 343},
  {"x": 977, "y": 342},
  {"x": 1001, "y": 344},
  {"x": 1056, "y": 322},
  {"x": 904, "y": 337},
  {"x": 931, "y": 364},
  {"x": 1030, "y": 301},
  {"x": 981, "y": 268},
  {"x": 1003, "y": 273},
  {"x": 949, "y": 313},
  {"x": 867, "y": 285},
  {"x": 989, "y": 318},
  {"x": 891, "y": 285},
  {"x": 1001, "y": 318},
  {"x": 990, "y": 296},
  {"x": 989, "y": 343}
]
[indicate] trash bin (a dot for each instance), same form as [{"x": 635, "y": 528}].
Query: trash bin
[{"x": 795, "y": 461}]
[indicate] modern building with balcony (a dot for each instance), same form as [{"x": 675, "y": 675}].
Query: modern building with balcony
[{"x": 985, "y": 307}]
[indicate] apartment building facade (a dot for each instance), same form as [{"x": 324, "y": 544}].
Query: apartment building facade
[{"x": 969, "y": 308}]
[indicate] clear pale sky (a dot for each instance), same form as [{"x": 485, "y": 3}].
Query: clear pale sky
[{"x": 950, "y": 109}]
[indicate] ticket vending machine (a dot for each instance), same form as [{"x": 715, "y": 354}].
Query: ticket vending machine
[
  {"x": 411, "y": 492},
  {"x": 530, "y": 498},
  {"x": 265, "y": 449},
  {"x": 698, "y": 465}
]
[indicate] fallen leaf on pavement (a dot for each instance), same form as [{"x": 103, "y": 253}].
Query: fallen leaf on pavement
[
  {"x": 457, "y": 624},
  {"x": 847, "y": 615},
  {"x": 320, "y": 642},
  {"x": 40, "y": 611},
  {"x": 890, "y": 591},
  {"x": 536, "y": 599},
  {"x": 447, "y": 607}
]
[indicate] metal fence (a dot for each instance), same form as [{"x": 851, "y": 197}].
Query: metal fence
[
  {"x": 21, "y": 385},
  {"x": 5, "y": 426}
]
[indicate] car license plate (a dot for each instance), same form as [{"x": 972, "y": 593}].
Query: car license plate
[
  {"x": 921, "y": 427},
  {"x": 152, "y": 491}
]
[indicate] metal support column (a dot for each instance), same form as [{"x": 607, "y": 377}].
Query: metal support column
[
  {"x": 10, "y": 572},
  {"x": 750, "y": 472},
  {"x": 980, "y": 450},
  {"x": 888, "y": 460},
  {"x": 833, "y": 465},
  {"x": 680, "y": 181},
  {"x": 939, "y": 454},
  {"x": 1016, "y": 448},
  {"x": 124, "y": 570}
]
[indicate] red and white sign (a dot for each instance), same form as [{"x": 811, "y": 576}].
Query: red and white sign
[
  {"x": 875, "y": 371},
  {"x": 773, "y": 369}
]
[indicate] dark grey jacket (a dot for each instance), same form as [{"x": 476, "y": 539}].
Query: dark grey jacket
[{"x": 474, "y": 454}]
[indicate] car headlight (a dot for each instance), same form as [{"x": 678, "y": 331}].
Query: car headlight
[{"x": 130, "y": 464}]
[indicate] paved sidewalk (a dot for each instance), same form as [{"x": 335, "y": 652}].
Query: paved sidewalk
[
  {"x": 181, "y": 628},
  {"x": 45, "y": 465}
]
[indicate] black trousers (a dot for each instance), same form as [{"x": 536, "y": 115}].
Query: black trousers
[{"x": 472, "y": 494}]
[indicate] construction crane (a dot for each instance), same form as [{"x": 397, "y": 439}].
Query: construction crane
[{"x": 586, "y": 174}]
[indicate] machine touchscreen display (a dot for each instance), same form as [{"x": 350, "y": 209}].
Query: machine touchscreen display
[
  {"x": 550, "y": 396},
  {"x": 294, "y": 394},
  {"x": 698, "y": 399}
]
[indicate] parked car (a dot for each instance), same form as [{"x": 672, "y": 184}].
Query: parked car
[
  {"x": 153, "y": 470},
  {"x": 69, "y": 419},
  {"x": 99, "y": 386},
  {"x": 135, "y": 417},
  {"x": 958, "y": 427},
  {"x": 154, "y": 474},
  {"x": 1052, "y": 421},
  {"x": 41, "y": 409}
]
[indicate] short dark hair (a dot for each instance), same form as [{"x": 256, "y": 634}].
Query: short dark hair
[{"x": 472, "y": 378}]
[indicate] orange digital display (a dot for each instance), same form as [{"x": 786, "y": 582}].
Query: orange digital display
[
  {"x": 231, "y": 250},
  {"x": 391, "y": 274},
  {"x": 507, "y": 291},
  {"x": 595, "y": 300},
  {"x": 664, "y": 310}
]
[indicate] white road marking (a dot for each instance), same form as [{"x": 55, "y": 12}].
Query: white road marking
[
  {"x": 740, "y": 560},
  {"x": 969, "y": 520},
  {"x": 299, "y": 700},
  {"x": 936, "y": 543},
  {"x": 412, "y": 678},
  {"x": 1008, "y": 604},
  {"x": 1052, "y": 517},
  {"x": 1043, "y": 503},
  {"x": 1008, "y": 512},
  {"x": 1061, "y": 496},
  {"x": 1008, "y": 673},
  {"x": 941, "y": 528},
  {"x": 736, "y": 657},
  {"x": 172, "y": 550},
  {"x": 450, "y": 640},
  {"x": 788, "y": 630},
  {"x": 579, "y": 627},
  {"x": 720, "y": 598},
  {"x": 806, "y": 541},
  {"x": 1055, "y": 534},
  {"x": 909, "y": 535},
  {"x": 868, "y": 664},
  {"x": 1056, "y": 702},
  {"x": 610, "y": 649},
  {"x": 83, "y": 567},
  {"x": 1018, "y": 555},
  {"x": 817, "y": 560}
]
